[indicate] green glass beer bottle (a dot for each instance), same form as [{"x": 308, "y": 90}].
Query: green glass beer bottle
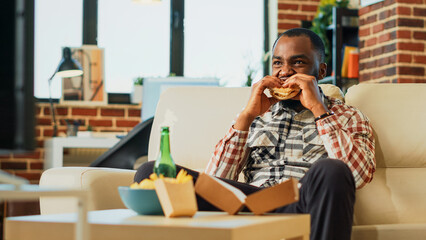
[{"x": 164, "y": 165}]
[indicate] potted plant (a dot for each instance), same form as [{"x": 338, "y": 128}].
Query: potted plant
[
  {"x": 136, "y": 94},
  {"x": 253, "y": 68},
  {"x": 250, "y": 72}
]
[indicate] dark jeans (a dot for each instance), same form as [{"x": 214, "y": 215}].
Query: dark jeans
[{"x": 327, "y": 194}]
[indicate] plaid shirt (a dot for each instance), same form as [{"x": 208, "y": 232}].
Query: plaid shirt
[{"x": 283, "y": 143}]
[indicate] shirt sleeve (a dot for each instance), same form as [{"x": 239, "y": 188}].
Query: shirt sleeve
[
  {"x": 230, "y": 155},
  {"x": 348, "y": 136}
]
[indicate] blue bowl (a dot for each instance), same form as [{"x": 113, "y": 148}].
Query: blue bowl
[{"x": 142, "y": 201}]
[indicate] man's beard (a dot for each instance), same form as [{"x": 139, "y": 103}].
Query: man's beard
[{"x": 296, "y": 104}]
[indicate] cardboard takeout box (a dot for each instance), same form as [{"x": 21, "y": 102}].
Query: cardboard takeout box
[
  {"x": 232, "y": 200},
  {"x": 176, "y": 199}
]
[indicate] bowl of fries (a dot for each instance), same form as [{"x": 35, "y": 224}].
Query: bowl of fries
[
  {"x": 142, "y": 201},
  {"x": 142, "y": 197}
]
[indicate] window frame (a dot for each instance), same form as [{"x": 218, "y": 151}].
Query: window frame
[{"x": 177, "y": 15}]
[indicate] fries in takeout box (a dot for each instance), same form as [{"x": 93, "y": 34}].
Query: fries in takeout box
[{"x": 176, "y": 195}]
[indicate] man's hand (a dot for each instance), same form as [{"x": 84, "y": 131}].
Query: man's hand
[
  {"x": 258, "y": 103},
  {"x": 309, "y": 95}
]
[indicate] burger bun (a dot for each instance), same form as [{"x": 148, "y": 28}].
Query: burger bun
[{"x": 284, "y": 93}]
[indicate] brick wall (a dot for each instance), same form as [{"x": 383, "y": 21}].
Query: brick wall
[
  {"x": 110, "y": 118},
  {"x": 392, "y": 42},
  {"x": 291, "y": 13}
]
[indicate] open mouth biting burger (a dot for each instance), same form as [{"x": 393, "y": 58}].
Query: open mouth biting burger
[{"x": 284, "y": 93}]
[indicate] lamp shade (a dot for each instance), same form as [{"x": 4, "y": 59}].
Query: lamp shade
[{"x": 68, "y": 67}]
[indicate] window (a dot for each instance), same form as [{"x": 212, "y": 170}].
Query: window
[
  {"x": 136, "y": 39},
  {"x": 223, "y": 38},
  {"x": 58, "y": 23}
]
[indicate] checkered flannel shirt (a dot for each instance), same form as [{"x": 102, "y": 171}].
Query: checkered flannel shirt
[{"x": 283, "y": 143}]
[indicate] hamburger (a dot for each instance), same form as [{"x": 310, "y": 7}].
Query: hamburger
[{"x": 284, "y": 93}]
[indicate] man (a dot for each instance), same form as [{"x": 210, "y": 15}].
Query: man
[{"x": 324, "y": 143}]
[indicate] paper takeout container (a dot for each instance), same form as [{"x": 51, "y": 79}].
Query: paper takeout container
[
  {"x": 231, "y": 199},
  {"x": 176, "y": 199}
]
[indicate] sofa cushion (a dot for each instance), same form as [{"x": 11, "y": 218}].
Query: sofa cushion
[
  {"x": 398, "y": 116},
  {"x": 390, "y": 232},
  {"x": 331, "y": 90},
  {"x": 396, "y": 195},
  {"x": 101, "y": 182}
]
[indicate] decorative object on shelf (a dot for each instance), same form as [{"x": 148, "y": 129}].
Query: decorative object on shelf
[
  {"x": 68, "y": 67},
  {"x": 324, "y": 18},
  {"x": 345, "y": 63},
  {"x": 136, "y": 94},
  {"x": 72, "y": 127},
  {"x": 89, "y": 88},
  {"x": 88, "y": 133}
]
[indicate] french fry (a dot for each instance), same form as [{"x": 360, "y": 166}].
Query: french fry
[
  {"x": 153, "y": 176},
  {"x": 187, "y": 178},
  {"x": 182, "y": 177},
  {"x": 134, "y": 185},
  {"x": 147, "y": 184}
]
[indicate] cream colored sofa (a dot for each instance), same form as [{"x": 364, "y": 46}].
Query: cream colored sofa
[{"x": 392, "y": 206}]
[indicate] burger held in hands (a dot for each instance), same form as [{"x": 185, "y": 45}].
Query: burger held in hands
[{"x": 282, "y": 93}]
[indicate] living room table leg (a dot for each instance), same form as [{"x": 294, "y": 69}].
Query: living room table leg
[{"x": 82, "y": 226}]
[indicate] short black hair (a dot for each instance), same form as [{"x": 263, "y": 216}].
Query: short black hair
[{"x": 315, "y": 39}]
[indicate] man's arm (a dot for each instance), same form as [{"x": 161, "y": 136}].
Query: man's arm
[
  {"x": 258, "y": 103},
  {"x": 231, "y": 152},
  {"x": 348, "y": 136},
  {"x": 230, "y": 155}
]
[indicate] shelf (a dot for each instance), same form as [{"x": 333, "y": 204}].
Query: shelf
[
  {"x": 331, "y": 27},
  {"x": 344, "y": 32},
  {"x": 327, "y": 80}
]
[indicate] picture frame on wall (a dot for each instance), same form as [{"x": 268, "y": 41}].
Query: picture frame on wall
[{"x": 89, "y": 88}]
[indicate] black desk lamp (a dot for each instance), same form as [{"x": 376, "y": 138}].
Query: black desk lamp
[{"x": 68, "y": 67}]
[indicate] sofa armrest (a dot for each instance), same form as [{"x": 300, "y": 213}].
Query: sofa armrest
[{"x": 101, "y": 183}]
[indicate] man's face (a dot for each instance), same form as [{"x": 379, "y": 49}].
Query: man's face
[{"x": 296, "y": 55}]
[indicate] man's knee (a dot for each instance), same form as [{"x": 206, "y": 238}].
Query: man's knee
[
  {"x": 144, "y": 171},
  {"x": 333, "y": 172}
]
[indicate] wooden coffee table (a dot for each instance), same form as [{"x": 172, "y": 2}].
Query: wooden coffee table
[
  {"x": 126, "y": 224},
  {"x": 79, "y": 230}
]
